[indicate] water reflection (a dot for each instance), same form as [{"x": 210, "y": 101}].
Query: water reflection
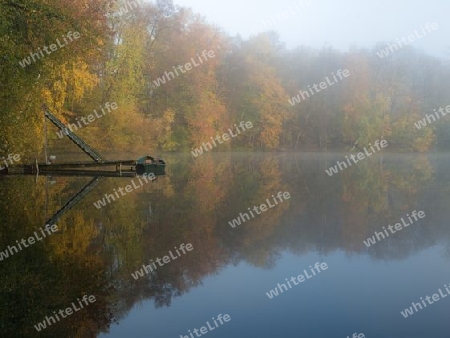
[{"x": 97, "y": 250}]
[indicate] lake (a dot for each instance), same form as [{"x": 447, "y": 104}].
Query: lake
[{"x": 216, "y": 248}]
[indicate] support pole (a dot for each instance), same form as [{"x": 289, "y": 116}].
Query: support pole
[{"x": 45, "y": 139}]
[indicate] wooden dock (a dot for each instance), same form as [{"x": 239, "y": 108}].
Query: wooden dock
[
  {"x": 125, "y": 168},
  {"x": 98, "y": 167}
]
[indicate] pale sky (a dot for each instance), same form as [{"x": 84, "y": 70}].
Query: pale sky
[{"x": 339, "y": 23}]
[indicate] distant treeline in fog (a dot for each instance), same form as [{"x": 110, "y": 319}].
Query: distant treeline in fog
[{"x": 155, "y": 61}]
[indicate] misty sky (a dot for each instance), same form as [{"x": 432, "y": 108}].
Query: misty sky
[{"x": 340, "y": 23}]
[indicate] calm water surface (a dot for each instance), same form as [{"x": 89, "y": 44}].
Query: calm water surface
[{"x": 231, "y": 270}]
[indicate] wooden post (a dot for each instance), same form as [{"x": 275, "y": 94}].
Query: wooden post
[{"x": 45, "y": 139}]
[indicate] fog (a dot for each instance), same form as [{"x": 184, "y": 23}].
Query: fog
[{"x": 340, "y": 24}]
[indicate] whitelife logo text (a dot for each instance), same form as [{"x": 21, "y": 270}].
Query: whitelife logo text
[
  {"x": 417, "y": 306},
  {"x": 199, "y": 151},
  {"x": 26, "y": 242},
  {"x": 87, "y": 119},
  {"x": 398, "y": 226},
  {"x": 109, "y": 198},
  {"x": 259, "y": 210},
  {"x": 360, "y": 156},
  {"x": 64, "y": 313},
  {"x": 204, "y": 329},
  {"x": 183, "y": 68},
  {"x": 166, "y": 259},
  {"x": 303, "y": 95},
  {"x": 53, "y": 48},
  {"x": 406, "y": 41},
  {"x": 432, "y": 118},
  {"x": 319, "y": 267}
]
